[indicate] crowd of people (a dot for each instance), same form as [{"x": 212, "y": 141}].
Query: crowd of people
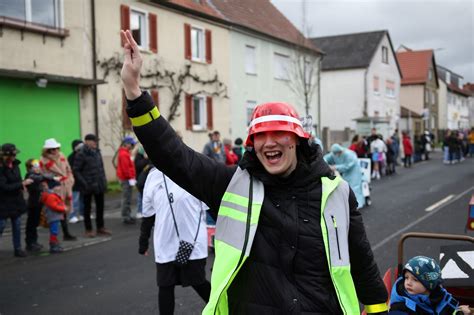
[{"x": 60, "y": 191}]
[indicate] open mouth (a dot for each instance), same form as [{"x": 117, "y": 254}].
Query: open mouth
[{"x": 273, "y": 156}]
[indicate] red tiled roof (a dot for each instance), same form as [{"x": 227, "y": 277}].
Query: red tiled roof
[
  {"x": 415, "y": 65},
  {"x": 463, "y": 91},
  {"x": 258, "y": 15},
  {"x": 469, "y": 88},
  {"x": 202, "y": 7}
]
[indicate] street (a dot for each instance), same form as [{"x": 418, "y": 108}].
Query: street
[{"x": 111, "y": 278}]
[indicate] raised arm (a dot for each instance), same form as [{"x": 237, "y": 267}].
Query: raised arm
[{"x": 201, "y": 176}]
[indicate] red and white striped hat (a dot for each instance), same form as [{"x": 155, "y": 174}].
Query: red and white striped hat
[{"x": 275, "y": 117}]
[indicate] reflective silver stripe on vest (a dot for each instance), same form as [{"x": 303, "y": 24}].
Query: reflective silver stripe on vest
[
  {"x": 337, "y": 218},
  {"x": 230, "y": 230}
]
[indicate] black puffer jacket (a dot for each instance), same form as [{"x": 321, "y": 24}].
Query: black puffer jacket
[
  {"x": 12, "y": 203},
  {"x": 89, "y": 171},
  {"x": 287, "y": 271}
]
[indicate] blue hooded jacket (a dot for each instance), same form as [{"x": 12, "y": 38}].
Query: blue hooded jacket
[{"x": 439, "y": 302}]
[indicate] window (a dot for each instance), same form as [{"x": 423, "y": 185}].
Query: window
[
  {"x": 427, "y": 96},
  {"x": 281, "y": 66},
  {"x": 460, "y": 83},
  {"x": 390, "y": 88},
  {"x": 250, "y": 107},
  {"x": 448, "y": 77},
  {"x": 41, "y": 12},
  {"x": 376, "y": 85},
  {"x": 250, "y": 62},
  {"x": 384, "y": 54},
  {"x": 199, "y": 113},
  {"x": 430, "y": 74},
  {"x": 138, "y": 27},
  {"x": 197, "y": 44},
  {"x": 433, "y": 97}
]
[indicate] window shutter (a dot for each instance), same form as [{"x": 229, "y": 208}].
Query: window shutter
[
  {"x": 155, "y": 97},
  {"x": 126, "y": 123},
  {"x": 208, "y": 46},
  {"x": 124, "y": 18},
  {"x": 153, "y": 26},
  {"x": 187, "y": 41},
  {"x": 189, "y": 111},
  {"x": 209, "y": 112}
]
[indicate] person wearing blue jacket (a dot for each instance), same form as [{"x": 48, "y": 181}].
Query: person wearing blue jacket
[
  {"x": 346, "y": 163},
  {"x": 419, "y": 291}
]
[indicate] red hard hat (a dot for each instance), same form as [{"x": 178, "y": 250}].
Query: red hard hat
[{"x": 275, "y": 117}]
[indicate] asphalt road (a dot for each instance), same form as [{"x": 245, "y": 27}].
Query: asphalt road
[{"x": 111, "y": 278}]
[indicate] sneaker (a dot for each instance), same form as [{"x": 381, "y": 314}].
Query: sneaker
[
  {"x": 129, "y": 221},
  {"x": 73, "y": 220},
  {"x": 35, "y": 247},
  {"x": 104, "y": 232},
  {"x": 69, "y": 237},
  {"x": 20, "y": 253},
  {"x": 139, "y": 215},
  {"x": 89, "y": 233},
  {"x": 55, "y": 248}
]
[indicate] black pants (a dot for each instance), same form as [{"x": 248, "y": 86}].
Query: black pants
[
  {"x": 32, "y": 221},
  {"x": 166, "y": 296},
  {"x": 407, "y": 161},
  {"x": 99, "y": 215}
]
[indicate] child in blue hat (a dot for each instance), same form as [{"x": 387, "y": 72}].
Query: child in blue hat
[{"x": 419, "y": 291}]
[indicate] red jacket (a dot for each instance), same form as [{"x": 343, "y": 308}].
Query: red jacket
[
  {"x": 407, "y": 146},
  {"x": 125, "y": 166},
  {"x": 53, "y": 201}
]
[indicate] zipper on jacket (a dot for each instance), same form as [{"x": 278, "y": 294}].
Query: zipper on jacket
[
  {"x": 247, "y": 232},
  {"x": 337, "y": 236}
]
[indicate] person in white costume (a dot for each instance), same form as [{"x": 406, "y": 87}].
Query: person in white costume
[{"x": 173, "y": 211}]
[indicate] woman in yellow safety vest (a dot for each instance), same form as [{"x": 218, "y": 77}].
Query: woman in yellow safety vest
[{"x": 289, "y": 238}]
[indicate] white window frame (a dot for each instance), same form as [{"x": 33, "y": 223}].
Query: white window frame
[
  {"x": 284, "y": 75},
  {"x": 202, "y": 124},
  {"x": 202, "y": 51},
  {"x": 460, "y": 83},
  {"x": 250, "y": 60},
  {"x": 58, "y": 13},
  {"x": 144, "y": 45},
  {"x": 390, "y": 92},
  {"x": 250, "y": 106},
  {"x": 448, "y": 77},
  {"x": 376, "y": 92},
  {"x": 385, "y": 54}
]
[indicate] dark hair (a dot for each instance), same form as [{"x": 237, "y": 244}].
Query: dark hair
[
  {"x": 355, "y": 138},
  {"x": 29, "y": 164},
  {"x": 238, "y": 141}
]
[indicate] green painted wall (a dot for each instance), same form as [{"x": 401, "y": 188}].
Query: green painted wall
[{"x": 29, "y": 115}]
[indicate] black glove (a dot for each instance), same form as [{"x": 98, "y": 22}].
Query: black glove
[{"x": 145, "y": 231}]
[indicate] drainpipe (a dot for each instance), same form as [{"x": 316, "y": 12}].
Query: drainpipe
[
  {"x": 94, "y": 69},
  {"x": 319, "y": 95}
]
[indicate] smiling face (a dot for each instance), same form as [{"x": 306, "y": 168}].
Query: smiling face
[
  {"x": 276, "y": 150},
  {"x": 413, "y": 286}
]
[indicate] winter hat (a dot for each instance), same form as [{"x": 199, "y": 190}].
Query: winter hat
[
  {"x": 238, "y": 141},
  {"x": 53, "y": 183},
  {"x": 91, "y": 137},
  {"x": 77, "y": 144},
  {"x": 51, "y": 144},
  {"x": 426, "y": 270},
  {"x": 336, "y": 148},
  {"x": 9, "y": 149},
  {"x": 129, "y": 140}
]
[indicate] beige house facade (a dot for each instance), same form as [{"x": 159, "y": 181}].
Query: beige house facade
[
  {"x": 170, "y": 42},
  {"x": 46, "y": 74}
]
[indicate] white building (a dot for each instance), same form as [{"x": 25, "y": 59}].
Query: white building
[
  {"x": 360, "y": 83},
  {"x": 453, "y": 99}
]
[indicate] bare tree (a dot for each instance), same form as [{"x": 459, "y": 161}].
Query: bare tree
[
  {"x": 304, "y": 70},
  {"x": 158, "y": 76}
]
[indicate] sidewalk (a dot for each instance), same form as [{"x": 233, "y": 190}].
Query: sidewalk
[{"x": 111, "y": 211}]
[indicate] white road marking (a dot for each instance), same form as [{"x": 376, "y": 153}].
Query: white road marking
[
  {"x": 409, "y": 226},
  {"x": 439, "y": 203}
]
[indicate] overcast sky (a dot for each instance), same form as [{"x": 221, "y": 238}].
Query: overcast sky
[{"x": 444, "y": 25}]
